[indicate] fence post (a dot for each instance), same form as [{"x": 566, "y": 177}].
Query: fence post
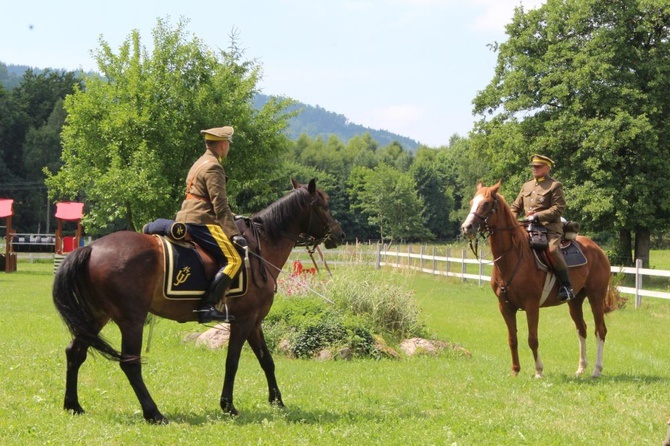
[
  {"x": 448, "y": 261},
  {"x": 409, "y": 256},
  {"x": 434, "y": 260},
  {"x": 481, "y": 266},
  {"x": 638, "y": 283},
  {"x": 379, "y": 255},
  {"x": 397, "y": 255},
  {"x": 463, "y": 266},
  {"x": 421, "y": 254}
]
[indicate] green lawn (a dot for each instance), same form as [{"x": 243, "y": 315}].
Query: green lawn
[{"x": 452, "y": 399}]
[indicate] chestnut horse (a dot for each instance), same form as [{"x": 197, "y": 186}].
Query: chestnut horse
[
  {"x": 120, "y": 278},
  {"x": 519, "y": 283}
]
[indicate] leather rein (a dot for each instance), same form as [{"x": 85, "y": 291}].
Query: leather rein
[
  {"x": 306, "y": 239},
  {"x": 302, "y": 239},
  {"x": 485, "y": 231}
]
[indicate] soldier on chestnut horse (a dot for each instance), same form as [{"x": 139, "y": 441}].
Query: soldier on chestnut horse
[{"x": 520, "y": 284}]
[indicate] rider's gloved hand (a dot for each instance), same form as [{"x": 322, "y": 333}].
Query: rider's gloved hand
[
  {"x": 240, "y": 244},
  {"x": 532, "y": 217}
]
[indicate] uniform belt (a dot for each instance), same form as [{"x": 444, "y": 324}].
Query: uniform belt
[{"x": 196, "y": 197}]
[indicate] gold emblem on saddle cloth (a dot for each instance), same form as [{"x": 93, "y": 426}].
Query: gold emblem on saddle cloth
[{"x": 182, "y": 276}]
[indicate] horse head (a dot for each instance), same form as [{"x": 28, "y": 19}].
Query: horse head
[
  {"x": 482, "y": 207},
  {"x": 320, "y": 225}
]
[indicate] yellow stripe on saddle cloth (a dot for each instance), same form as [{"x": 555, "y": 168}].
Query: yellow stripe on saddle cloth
[{"x": 184, "y": 275}]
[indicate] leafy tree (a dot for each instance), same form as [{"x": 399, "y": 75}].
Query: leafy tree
[
  {"x": 132, "y": 132},
  {"x": 394, "y": 155},
  {"x": 361, "y": 151},
  {"x": 586, "y": 83},
  {"x": 436, "y": 190},
  {"x": 41, "y": 150},
  {"x": 464, "y": 168},
  {"x": 388, "y": 197},
  {"x": 32, "y": 102},
  {"x": 27, "y": 116},
  {"x": 5, "y": 111}
]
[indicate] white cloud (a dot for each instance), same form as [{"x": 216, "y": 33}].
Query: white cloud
[{"x": 498, "y": 13}]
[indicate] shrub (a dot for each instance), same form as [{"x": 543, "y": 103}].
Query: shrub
[{"x": 346, "y": 311}]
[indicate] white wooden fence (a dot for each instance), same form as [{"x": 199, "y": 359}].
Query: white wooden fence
[{"x": 454, "y": 262}]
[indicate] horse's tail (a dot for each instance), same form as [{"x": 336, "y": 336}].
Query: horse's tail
[
  {"x": 72, "y": 298},
  {"x": 613, "y": 299}
]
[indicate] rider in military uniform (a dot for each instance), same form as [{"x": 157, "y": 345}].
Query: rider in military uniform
[
  {"x": 209, "y": 220},
  {"x": 541, "y": 199}
]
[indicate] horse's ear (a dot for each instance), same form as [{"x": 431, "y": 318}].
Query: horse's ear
[
  {"x": 295, "y": 184},
  {"x": 479, "y": 186},
  {"x": 496, "y": 186},
  {"x": 312, "y": 186}
]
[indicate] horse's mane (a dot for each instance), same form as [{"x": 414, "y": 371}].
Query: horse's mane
[
  {"x": 280, "y": 214},
  {"x": 519, "y": 236}
]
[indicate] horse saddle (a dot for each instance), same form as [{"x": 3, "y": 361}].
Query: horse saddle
[
  {"x": 572, "y": 251},
  {"x": 188, "y": 271}
]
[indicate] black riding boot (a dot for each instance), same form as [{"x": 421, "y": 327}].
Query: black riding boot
[
  {"x": 215, "y": 292},
  {"x": 565, "y": 291}
]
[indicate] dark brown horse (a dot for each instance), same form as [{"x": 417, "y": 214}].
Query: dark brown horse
[
  {"x": 119, "y": 278},
  {"x": 519, "y": 284}
]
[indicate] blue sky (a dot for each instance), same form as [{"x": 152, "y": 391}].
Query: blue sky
[{"x": 411, "y": 67}]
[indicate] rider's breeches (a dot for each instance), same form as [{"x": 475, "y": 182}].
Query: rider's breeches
[
  {"x": 555, "y": 251},
  {"x": 212, "y": 239}
]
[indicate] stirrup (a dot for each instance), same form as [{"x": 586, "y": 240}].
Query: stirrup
[
  {"x": 565, "y": 293},
  {"x": 210, "y": 313}
]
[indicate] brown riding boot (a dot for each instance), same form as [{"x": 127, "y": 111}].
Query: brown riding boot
[
  {"x": 207, "y": 312},
  {"x": 565, "y": 291}
]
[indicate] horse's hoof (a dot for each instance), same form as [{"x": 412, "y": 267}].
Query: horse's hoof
[
  {"x": 231, "y": 411},
  {"x": 278, "y": 403},
  {"x": 74, "y": 409},
  {"x": 228, "y": 407},
  {"x": 158, "y": 420}
]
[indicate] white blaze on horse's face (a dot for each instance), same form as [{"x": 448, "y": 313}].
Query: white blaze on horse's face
[{"x": 468, "y": 228}]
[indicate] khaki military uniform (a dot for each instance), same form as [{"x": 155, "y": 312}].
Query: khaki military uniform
[
  {"x": 206, "y": 201},
  {"x": 545, "y": 199}
]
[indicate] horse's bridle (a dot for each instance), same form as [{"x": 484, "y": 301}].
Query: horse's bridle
[
  {"x": 485, "y": 231},
  {"x": 483, "y": 228},
  {"x": 306, "y": 238}
]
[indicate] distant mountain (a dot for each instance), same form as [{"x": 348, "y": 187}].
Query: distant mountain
[
  {"x": 11, "y": 75},
  {"x": 315, "y": 121}
]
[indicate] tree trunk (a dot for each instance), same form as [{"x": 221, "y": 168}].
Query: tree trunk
[
  {"x": 623, "y": 250},
  {"x": 129, "y": 218},
  {"x": 643, "y": 246}
]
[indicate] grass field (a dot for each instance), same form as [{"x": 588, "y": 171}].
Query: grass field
[{"x": 453, "y": 399}]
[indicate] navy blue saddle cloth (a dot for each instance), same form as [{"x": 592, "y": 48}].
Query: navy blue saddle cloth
[
  {"x": 185, "y": 277},
  {"x": 573, "y": 254}
]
